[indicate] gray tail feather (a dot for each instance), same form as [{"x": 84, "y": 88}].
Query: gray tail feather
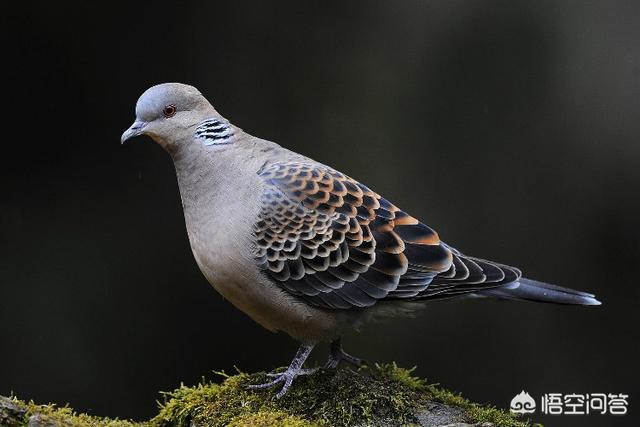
[{"x": 532, "y": 290}]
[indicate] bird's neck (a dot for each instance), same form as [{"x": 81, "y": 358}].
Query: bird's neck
[
  {"x": 203, "y": 171},
  {"x": 216, "y": 179}
]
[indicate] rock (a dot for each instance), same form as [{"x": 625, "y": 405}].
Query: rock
[
  {"x": 437, "y": 414},
  {"x": 11, "y": 414},
  {"x": 39, "y": 420}
]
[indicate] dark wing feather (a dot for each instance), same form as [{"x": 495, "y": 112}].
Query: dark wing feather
[{"x": 469, "y": 275}]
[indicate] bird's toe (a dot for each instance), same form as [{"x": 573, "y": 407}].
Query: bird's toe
[
  {"x": 287, "y": 384},
  {"x": 338, "y": 356},
  {"x": 286, "y": 377},
  {"x": 355, "y": 361},
  {"x": 279, "y": 379}
]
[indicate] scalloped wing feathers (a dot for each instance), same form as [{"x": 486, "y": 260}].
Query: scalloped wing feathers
[{"x": 330, "y": 240}]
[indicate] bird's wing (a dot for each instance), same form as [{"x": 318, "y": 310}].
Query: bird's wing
[{"x": 330, "y": 240}]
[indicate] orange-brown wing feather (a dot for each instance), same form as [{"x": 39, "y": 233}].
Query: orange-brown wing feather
[{"x": 332, "y": 241}]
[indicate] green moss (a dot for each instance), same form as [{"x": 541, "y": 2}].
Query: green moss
[
  {"x": 64, "y": 416},
  {"x": 330, "y": 398},
  {"x": 383, "y": 393},
  {"x": 269, "y": 419}
]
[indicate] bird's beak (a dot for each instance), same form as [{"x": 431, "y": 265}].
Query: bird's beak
[{"x": 136, "y": 129}]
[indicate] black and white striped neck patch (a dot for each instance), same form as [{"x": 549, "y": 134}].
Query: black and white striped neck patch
[{"x": 214, "y": 132}]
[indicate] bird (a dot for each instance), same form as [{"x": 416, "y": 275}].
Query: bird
[{"x": 301, "y": 247}]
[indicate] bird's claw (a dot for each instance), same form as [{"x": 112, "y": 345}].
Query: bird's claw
[
  {"x": 294, "y": 370},
  {"x": 287, "y": 377},
  {"x": 334, "y": 361},
  {"x": 338, "y": 355}
]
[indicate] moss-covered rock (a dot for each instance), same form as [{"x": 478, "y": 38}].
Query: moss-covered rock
[{"x": 384, "y": 395}]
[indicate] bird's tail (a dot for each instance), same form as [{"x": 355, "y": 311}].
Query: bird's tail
[{"x": 532, "y": 290}]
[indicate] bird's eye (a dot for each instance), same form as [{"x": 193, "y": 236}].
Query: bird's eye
[{"x": 169, "y": 111}]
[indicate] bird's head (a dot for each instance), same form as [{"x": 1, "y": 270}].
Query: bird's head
[{"x": 170, "y": 113}]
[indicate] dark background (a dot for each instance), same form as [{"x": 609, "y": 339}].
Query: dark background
[{"x": 511, "y": 127}]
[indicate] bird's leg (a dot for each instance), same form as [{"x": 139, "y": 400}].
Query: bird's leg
[
  {"x": 294, "y": 370},
  {"x": 337, "y": 355}
]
